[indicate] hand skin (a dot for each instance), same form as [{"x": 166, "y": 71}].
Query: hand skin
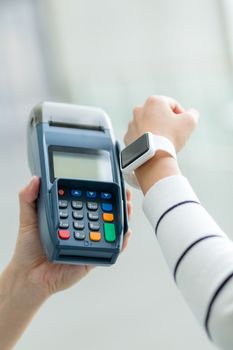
[
  {"x": 30, "y": 279},
  {"x": 166, "y": 117}
]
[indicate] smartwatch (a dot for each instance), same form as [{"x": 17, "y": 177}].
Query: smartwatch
[{"x": 140, "y": 151}]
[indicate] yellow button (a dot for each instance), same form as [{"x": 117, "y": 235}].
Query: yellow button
[
  {"x": 95, "y": 236},
  {"x": 108, "y": 217}
]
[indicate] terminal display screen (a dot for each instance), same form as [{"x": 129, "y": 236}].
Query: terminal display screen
[{"x": 95, "y": 166}]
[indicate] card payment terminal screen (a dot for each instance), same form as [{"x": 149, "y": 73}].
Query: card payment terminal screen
[{"x": 96, "y": 167}]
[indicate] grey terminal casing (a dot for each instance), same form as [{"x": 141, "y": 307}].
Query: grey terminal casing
[{"x": 66, "y": 127}]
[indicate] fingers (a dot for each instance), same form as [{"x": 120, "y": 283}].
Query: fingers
[
  {"x": 129, "y": 136},
  {"x": 129, "y": 204},
  {"x": 165, "y": 101},
  {"x": 128, "y": 195},
  {"x": 27, "y": 198},
  {"x": 130, "y": 210},
  {"x": 193, "y": 114},
  {"x": 190, "y": 118},
  {"x": 126, "y": 240},
  {"x": 137, "y": 110},
  {"x": 173, "y": 104}
]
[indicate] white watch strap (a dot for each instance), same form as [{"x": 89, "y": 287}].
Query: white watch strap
[
  {"x": 164, "y": 144},
  {"x": 157, "y": 143}
]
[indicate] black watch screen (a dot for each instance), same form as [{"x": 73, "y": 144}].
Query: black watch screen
[{"x": 135, "y": 150}]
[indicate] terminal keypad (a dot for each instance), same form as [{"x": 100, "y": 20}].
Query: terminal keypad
[{"x": 87, "y": 216}]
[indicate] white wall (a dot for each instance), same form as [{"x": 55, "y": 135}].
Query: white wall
[{"x": 116, "y": 53}]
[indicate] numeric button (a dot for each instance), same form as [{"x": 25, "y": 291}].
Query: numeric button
[
  {"x": 63, "y": 204},
  {"x": 93, "y": 216},
  {"x": 94, "y": 226},
  {"x": 63, "y": 214},
  {"x": 77, "y": 204},
  {"x": 78, "y": 215},
  {"x": 79, "y": 236},
  {"x": 79, "y": 225},
  {"x": 92, "y": 206},
  {"x": 63, "y": 224}
]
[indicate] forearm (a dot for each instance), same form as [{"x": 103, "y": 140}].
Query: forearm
[
  {"x": 155, "y": 169},
  {"x": 19, "y": 301}
]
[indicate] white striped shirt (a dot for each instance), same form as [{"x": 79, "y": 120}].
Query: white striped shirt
[{"x": 198, "y": 253}]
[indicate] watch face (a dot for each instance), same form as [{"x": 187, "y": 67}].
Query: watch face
[{"x": 135, "y": 150}]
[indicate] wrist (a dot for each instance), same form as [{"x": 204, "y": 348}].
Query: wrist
[
  {"x": 19, "y": 301},
  {"x": 160, "y": 166},
  {"x": 16, "y": 286}
]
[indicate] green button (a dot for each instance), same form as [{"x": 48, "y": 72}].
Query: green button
[{"x": 109, "y": 232}]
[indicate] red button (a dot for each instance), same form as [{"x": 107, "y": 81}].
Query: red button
[
  {"x": 61, "y": 192},
  {"x": 64, "y": 234}
]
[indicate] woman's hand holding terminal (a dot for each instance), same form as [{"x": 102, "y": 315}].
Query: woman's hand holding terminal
[{"x": 29, "y": 279}]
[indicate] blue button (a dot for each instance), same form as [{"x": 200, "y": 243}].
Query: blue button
[
  {"x": 106, "y": 195},
  {"x": 91, "y": 194},
  {"x": 76, "y": 193},
  {"x": 107, "y": 207}
]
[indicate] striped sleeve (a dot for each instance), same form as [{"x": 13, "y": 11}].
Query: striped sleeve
[{"x": 198, "y": 253}]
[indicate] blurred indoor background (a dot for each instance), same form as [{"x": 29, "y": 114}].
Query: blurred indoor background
[{"x": 113, "y": 54}]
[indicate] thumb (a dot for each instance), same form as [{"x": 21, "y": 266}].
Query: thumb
[{"x": 27, "y": 202}]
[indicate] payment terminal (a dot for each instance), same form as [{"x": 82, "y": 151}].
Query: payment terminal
[{"x": 81, "y": 206}]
